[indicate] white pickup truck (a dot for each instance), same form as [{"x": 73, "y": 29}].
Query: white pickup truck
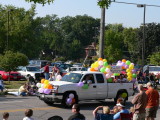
[{"x": 98, "y": 88}]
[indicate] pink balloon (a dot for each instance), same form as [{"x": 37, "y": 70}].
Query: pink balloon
[
  {"x": 47, "y": 91},
  {"x": 108, "y": 76},
  {"x": 80, "y": 84},
  {"x": 40, "y": 90}
]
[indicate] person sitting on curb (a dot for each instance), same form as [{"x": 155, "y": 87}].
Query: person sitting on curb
[
  {"x": 23, "y": 90},
  {"x": 121, "y": 109}
]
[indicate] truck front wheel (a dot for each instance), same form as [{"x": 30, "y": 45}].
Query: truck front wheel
[
  {"x": 67, "y": 101},
  {"x": 48, "y": 102}
]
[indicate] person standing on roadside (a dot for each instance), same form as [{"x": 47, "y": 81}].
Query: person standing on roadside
[
  {"x": 140, "y": 103},
  {"x": 77, "y": 115},
  {"x": 152, "y": 102},
  {"x": 46, "y": 71},
  {"x": 1, "y": 84}
]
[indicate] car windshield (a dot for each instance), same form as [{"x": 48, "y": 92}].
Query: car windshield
[
  {"x": 72, "y": 77},
  {"x": 32, "y": 69}
]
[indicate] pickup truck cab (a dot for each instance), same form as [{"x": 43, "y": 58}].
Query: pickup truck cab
[{"x": 97, "y": 88}]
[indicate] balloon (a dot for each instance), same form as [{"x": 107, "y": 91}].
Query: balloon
[
  {"x": 128, "y": 70},
  {"x": 129, "y": 73},
  {"x": 109, "y": 80},
  {"x": 42, "y": 81},
  {"x": 80, "y": 84},
  {"x": 102, "y": 69},
  {"x": 124, "y": 95},
  {"x": 108, "y": 67},
  {"x": 42, "y": 85},
  {"x": 134, "y": 75},
  {"x": 128, "y": 62},
  {"x": 134, "y": 71},
  {"x": 46, "y": 82},
  {"x": 126, "y": 66},
  {"x": 69, "y": 100},
  {"x": 89, "y": 69},
  {"x": 92, "y": 65},
  {"x": 85, "y": 86},
  {"x": 99, "y": 59},
  {"x": 38, "y": 85},
  {"x": 116, "y": 74},
  {"x": 73, "y": 100},
  {"x": 123, "y": 64},
  {"x": 123, "y": 67},
  {"x": 59, "y": 77},
  {"x": 108, "y": 76},
  {"x": 45, "y": 86},
  {"x": 104, "y": 60},
  {"x": 92, "y": 69},
  {"x": 107, "y": 70},
  {"x": 47, "y": 91},
  {"x": 129, "y": 78},
  {"x": 100, "y": 62},
  {"x": 105, "y": 64},
  {"x": 50, "y": 86},
  {"x": 71, "y": 95},
  {"x": 133, "y": 80},
  {"x": 123, "y": 60},
  {"x": 40, "y": 90}
]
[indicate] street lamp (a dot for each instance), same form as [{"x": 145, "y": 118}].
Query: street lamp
[
  {"x": 8, "y": 13},
  {"x": 143, "y": 40}
]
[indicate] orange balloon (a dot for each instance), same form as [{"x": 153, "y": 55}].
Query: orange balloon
[
  {"x": 99, "y": 59},
  {"x": 73, "y": 101},
  {"x": 42, "y": 81},
  {"x": 123, "y": 67},
  {"x": 92, "y": 69},
  {"x": 50, "y": 86},
  {"x": 123, "y": 60}
]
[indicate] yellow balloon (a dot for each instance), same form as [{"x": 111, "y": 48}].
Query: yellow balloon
[
  {"x": 129, "y": 73},
  {"x": 108, "y": 67},
  {"x": 128, "y": 70},
  {"x": 92, "y": 65},
  {"x": 46, "y": 82},
  {"x": 104, "y": 60},
  {"x": 45, "y": 86}
]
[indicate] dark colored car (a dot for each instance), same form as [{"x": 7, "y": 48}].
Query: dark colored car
[{"x": 65, "y": 66}]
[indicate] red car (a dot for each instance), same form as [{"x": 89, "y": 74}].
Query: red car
[{"x": 13, "y": 75}]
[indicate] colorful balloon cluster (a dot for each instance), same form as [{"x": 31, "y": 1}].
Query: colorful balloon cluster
[
  {"x": 84, "y": 86},
  {"x": 131, "y": 72},
  {"x": 70, "y": 99},
  {"x": 44, "y": 86},
  {"x": 101, "y": 65}
]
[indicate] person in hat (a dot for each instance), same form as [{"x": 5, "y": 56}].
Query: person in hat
[{"x": 121, "y": 109}]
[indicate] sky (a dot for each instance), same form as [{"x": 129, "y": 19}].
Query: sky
[{"x": 118, "y": 13}]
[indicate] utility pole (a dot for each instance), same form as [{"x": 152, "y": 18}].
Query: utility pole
[{"x": 102, "y": 29}]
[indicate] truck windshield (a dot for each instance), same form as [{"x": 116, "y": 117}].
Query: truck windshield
[{"x": 72, "y": 77}]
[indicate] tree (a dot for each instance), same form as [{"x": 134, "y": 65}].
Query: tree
[
  {"x": 10, "y": 61},
  {"x": 154, "y": 59}
]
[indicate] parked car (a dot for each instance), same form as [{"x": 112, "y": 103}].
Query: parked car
[
  {"x": 77, "y": 69},
  {"x": 65, "y": 66},
  {"x": 30, "y": 70},
  {"x": 77, "y": 65},
  {"x": 39, "y": 63},
  {"x": 13, "y": 75}
]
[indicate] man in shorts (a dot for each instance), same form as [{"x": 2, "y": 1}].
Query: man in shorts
[{"x": 152, "y": 102}]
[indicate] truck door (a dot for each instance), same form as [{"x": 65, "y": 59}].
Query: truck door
[
  {"x": 90, "y": 92},
  {"x": 101, "y": 87}
]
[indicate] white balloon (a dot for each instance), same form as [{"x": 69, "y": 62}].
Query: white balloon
[{"x": 71, "y": 95}]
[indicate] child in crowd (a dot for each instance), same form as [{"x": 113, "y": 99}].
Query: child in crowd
[
  {"x": 115, "y": 108},
  {"x": 5, "y": 116},
  {"x": 28, "y": 114},
  {"x": 51, "y": 78}
]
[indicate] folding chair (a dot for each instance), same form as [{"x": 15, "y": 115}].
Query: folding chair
[{"x": 126, "y": 116}]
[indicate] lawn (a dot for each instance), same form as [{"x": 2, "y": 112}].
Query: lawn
[{"x": 13, "y": 84}]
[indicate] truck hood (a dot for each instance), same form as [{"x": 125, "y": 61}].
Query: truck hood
[{"x": 60, "y": 83}]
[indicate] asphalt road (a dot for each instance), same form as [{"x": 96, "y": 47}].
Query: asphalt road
[{"x": 16, "y": 106}]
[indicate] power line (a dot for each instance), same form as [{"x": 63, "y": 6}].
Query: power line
[{"x": 135, "y": 3}]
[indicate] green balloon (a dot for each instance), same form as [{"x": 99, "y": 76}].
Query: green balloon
[
  {"x": 128, "y": 62},
  {"x": 109, "y": 80},
  {"x": 85, "y": 86},
  {"x": 102, "y": 69},
  {"x": 105, "y": 64},
  {"x": 134, "y": 75},
  {"x": 116, "y": 74}
]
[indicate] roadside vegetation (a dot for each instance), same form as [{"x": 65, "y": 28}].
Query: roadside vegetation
[{"x": 13, "y": 84}]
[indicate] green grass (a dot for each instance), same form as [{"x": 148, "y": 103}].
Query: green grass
[{"x": 13, "y": 84}]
